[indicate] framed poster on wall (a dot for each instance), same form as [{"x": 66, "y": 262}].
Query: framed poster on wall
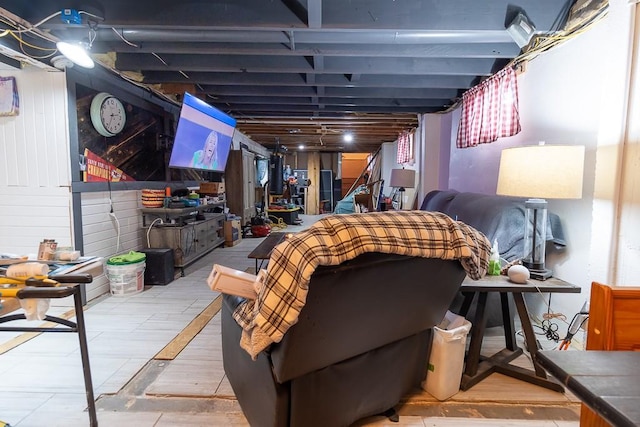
[{"x": 9, "y": 98}]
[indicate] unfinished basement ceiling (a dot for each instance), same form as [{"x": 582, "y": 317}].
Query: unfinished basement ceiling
[{"x": 304, "y": 72}]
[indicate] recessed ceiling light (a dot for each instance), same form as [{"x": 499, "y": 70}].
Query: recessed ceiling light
[
  {"x": 301, "y": 147},
  {"x": 348, "y": 137}
]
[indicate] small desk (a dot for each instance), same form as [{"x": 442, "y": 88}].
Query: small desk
[
  {"x": 263, "y": 251},
  {"x": 77, "y": 274},
  {"x": 476, "y": 369},
  {"x": 77, "y": 327},
  {"x": 606, "y": 381}
]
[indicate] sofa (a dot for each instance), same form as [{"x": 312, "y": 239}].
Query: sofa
[
  {"x": 362, "y": 338},
  {"x": 501, "y": 219}
]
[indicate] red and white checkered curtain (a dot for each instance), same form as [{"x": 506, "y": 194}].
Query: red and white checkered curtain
[
  {"x": 490, "y": 110},
  {"x": 405, "y": 147}
]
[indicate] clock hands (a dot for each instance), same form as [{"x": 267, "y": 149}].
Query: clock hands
[{"x": 112, "y": 116}]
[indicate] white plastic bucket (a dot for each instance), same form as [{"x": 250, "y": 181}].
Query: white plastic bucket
[
  {"x": 127, "y": 279},
  {"x": 446, "y": 360}
]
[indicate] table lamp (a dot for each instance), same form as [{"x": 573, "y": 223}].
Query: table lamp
[
  {"x": 540, "y": 172},
  {"x": 401, "y": 179}
]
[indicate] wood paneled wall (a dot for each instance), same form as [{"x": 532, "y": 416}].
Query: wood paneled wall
[
  {"x": 107, "y": 235},
  {"x": 34, "y": 164}
]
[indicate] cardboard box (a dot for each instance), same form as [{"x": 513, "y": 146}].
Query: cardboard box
[
  {"x": 232, "y": 231},
  {"x": 211, "y": 188}
]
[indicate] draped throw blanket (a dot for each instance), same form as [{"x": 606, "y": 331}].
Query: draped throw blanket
[
  {"x": 490, "y": 110},
  {"x": 338, "y": 238}
]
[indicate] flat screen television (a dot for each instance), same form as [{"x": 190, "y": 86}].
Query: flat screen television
[{"x": 203, "y": 136}]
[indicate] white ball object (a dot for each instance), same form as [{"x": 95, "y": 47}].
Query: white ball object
[{"x": 518, "y": 274}]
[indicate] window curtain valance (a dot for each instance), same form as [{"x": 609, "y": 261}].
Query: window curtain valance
[{"x": 490, "y": 110}]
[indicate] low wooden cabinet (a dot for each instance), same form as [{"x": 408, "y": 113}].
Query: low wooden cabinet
[{"x": 190, "y": 238}]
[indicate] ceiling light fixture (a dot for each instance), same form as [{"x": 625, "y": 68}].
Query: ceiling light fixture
[
  {"x": 348, "y": 137},
  {"x": 301, "y": 147},
  {"x": 77, "y": 52}
]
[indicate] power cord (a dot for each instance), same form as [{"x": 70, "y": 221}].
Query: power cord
[
  {"x": 115, "y": 218},
  {"x": 149, "y": 230},
  {"x": 548, "y": 327},
  {"x": 278, "y": 224},
  {"x": 549, "y": 330}
]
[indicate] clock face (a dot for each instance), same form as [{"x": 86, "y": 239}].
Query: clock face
[
  {"x": 112, "y": 115},
  {"x": 107, "y": 114}
]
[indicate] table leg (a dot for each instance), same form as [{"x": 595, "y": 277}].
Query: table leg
[
  {"x": 476, "y": 369},
  {"x": 466, "y": 303},
  {"x": 529, "y": 335},
  {"x": 507, "y": 321},
  {"x": 538, "y": 376},
  {"x": 477, "y": 333},
  {"x": 84, "y": 354}
]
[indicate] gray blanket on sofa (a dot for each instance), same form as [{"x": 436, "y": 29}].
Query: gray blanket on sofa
[{"x": 498, "y": 217}]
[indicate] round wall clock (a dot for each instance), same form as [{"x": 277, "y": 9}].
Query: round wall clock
[{"x": 108, "y": 115}]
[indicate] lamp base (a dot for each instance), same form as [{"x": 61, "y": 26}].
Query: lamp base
[{"x": 540, "y": 274}]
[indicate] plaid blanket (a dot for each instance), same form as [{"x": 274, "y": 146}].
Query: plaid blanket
[{"x": 338, "y": 238}]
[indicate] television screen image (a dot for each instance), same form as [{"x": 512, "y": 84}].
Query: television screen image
[{"x": 203, "y": 137}]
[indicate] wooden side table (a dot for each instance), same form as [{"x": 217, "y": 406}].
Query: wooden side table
[
  {"x": 476, "y": 369},
  {"x": 263, "y": 251}
]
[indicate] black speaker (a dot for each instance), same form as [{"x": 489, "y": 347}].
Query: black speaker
[
  {"x": 276, "y": 184},
  {"x": 158, "y": 266}
]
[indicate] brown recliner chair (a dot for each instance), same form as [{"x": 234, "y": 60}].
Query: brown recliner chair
[{"x": 361, "y": 343}]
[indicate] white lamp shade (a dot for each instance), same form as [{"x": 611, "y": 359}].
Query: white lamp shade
[
  {"x": 76, "y": 52},
  {"x": 405, "y": 178},
  {"x": 542, "y": 171}
]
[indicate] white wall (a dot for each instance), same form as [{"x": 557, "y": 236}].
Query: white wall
[
  {"x": 627, "y": 263},
  {"x": 573, "y": 94},
  {"x": 34, "y": 164},
  {"x": 434, "y": 164}
]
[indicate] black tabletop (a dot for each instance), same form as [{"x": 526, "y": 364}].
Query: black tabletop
[
  {"x": 606, "y": 381},
  {"x": 503, "y": 284}
]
